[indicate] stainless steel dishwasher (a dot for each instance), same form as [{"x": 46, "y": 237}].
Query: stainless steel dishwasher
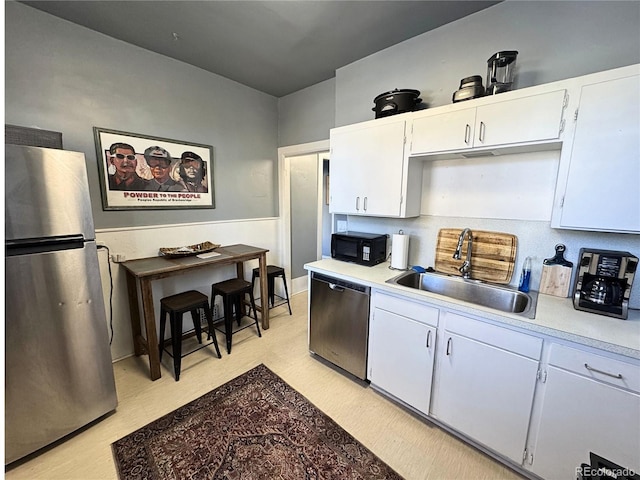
[{"x": 339, "y": 323}]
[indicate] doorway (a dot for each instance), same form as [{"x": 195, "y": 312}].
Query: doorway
[{"x": 306, "y": 222}]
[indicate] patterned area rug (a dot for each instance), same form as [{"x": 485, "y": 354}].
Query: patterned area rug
[{"x": 253, "y": 427}]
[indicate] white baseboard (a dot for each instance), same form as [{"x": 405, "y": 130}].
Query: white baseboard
[{"x": 300, "y": 284}]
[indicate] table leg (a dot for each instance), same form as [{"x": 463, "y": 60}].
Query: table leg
[
  {"x": 134, "y": 314},
  {"x": 264, "y": 292},
  {"x": 240, "y": 275},
  {"x": 150, "y": 328},
  {"x": 240, "y": 270}
]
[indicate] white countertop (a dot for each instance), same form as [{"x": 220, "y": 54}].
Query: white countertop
[{"x": 555, "y": 316}]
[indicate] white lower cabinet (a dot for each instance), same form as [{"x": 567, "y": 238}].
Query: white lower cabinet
[
  {"x": 542, "y": 409},
  {"x": 485, "y": 383},
  {"x": 590, "y": 404},
  {"x": 402, "y": 349}
]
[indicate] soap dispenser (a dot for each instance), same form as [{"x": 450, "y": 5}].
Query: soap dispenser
[{"x": 525, "y": 276}]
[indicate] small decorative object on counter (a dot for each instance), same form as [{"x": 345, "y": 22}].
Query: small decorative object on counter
[
  {"x": 556, "y": 274},
  {"x": 525, "y": 276}
]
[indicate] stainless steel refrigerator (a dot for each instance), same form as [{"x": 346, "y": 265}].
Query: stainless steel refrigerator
[{"x": 58, "y": 371}]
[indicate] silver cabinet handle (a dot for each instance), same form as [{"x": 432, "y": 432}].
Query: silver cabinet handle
[
  {"x": 467, "y": 133},
  {"x": 365, "y": 203},
  {"x": 449, "y": 346},
  {"x": 481, "y": 134},
  {"x": 358, "y": 204},
  {"x": 591, "y": 369},
  {"x": 428, "y": 338}
]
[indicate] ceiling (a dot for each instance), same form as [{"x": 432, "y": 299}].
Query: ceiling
[{"x": 277, "y": 47}]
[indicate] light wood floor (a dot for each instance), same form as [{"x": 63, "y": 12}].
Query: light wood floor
[{"x": 415, "y": 448}]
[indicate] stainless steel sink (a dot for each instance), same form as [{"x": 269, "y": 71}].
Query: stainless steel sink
[{"x": 499, "y": 297}]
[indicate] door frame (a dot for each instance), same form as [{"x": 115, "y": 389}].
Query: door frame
[{"x": 284, "y": 180}]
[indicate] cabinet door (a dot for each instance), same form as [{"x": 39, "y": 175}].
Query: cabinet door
[
  {"x": 485, "y": 393},
  {"x": 346, "y": 179},
  {"x": 530, "y": 119},
  {"x": 443, "y": 132},
  {"x": 366, "y": 169},
  {"x": 604, "y": 174},
  {"x": 401, "y": 355},
  {"x": 582, "y": 415}
]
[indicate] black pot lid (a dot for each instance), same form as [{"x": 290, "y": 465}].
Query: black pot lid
[{"x": 396, "y": 91}]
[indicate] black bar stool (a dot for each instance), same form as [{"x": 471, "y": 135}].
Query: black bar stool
[
  {"x": 176, "y": 305},
  {"x": 233, "y": 293},
  {"x": 273, "y": 272}
]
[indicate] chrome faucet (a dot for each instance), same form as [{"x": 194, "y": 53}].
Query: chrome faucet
[{"x": 465, "y": 268}]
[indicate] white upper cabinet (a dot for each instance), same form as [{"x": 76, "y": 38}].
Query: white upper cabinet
[
  {"x": 537, "y": 118},
  {"x": 599, "y": 187},
  {"x": 368, "y": 171},
  {"x": 593, "y": 121},
  {"x": 525, "y": 120},
  {"x": 443, "y": 132}
]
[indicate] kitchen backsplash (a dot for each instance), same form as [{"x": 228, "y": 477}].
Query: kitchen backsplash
[{"x": 535, "y": 239}]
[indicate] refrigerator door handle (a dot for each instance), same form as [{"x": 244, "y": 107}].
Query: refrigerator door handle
[
  {"x": 45, "y": 240},
  {"x": 42, "y": 245}
]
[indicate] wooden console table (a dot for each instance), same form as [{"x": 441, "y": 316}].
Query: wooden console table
[{"x": 145, "y": 270}]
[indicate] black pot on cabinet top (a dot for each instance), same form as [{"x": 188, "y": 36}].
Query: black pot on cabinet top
[{"x": 396, "y": 101}]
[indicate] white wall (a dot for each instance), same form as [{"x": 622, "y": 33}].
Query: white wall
[
  {"x": 535, "y": 239},
  {"x": 145, "y": 241}
]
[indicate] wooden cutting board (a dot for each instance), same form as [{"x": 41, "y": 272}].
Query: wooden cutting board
[
  {"x": 492, "y": 256},
  {"x": 555, "y": 280},
  {"x": 556, "y": 274}
]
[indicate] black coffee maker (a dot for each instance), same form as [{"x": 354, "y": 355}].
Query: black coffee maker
[{"x": 603, "y": 282}]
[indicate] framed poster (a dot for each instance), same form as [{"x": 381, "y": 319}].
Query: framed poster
[{"x": 144, "y": 172}]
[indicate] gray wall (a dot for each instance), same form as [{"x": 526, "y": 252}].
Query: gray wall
[
  {"x": 304, "y": 212},
  {"x": 555, "y": 41},
  {"x": 66, "y": 78},
  {"x": 307, "y": 115}
]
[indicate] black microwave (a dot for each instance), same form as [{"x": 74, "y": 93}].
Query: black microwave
[{"x": 362, "y": 248}]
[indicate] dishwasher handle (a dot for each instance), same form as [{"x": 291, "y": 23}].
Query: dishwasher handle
[{"x": 339, "y": 285}]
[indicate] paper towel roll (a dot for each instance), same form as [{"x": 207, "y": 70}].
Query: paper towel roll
[{"x": 399, "y": 251}]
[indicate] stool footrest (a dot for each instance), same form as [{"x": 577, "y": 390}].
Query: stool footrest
[
  {"x": 279, "y": 301},
  {"x": 218, "y": 325},
  {"x": 200, "y": 347}
]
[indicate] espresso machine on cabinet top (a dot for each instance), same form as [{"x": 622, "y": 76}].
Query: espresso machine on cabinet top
[{"x": 604, "y": 280}]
